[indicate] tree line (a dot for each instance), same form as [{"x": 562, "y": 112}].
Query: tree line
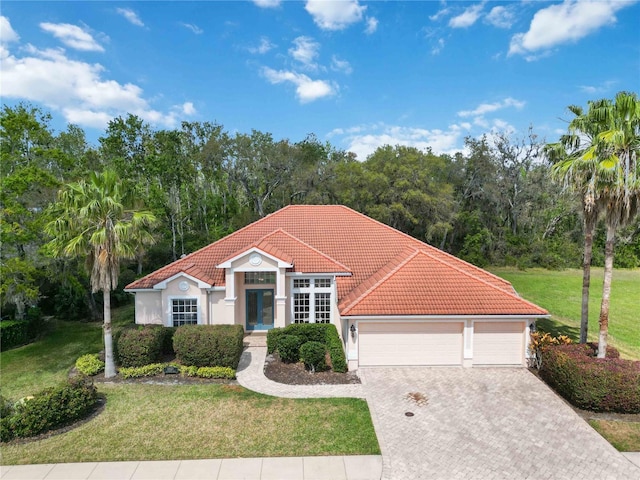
[{"x": 498, "y": 203}]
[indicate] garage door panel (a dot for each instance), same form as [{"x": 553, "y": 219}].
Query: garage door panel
[
  {"x": 410, "y": 343},
  {"x": 498, "y": 343}
]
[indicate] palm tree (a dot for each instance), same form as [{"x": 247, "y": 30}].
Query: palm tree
[
  {"x": 617, "y": 147},
  {"x": 580, "y": 175},
  {"x": 91, "y": 221}
]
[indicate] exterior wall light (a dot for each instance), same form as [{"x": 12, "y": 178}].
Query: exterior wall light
[{"x": 353, "y": 331}]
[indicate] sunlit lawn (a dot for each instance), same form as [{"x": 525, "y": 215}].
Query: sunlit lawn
[
  {"x": 151, "y": 422},
  {"x": 560, "y": 292}
]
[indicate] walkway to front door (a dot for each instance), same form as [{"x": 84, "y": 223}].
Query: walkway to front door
[{"x": 259, "y": 309}]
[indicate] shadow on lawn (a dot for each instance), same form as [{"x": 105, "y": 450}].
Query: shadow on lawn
[{"x": 556, "y": 328}]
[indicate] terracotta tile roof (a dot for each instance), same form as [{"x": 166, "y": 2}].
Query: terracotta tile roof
[{"x": 387, "y": 273}]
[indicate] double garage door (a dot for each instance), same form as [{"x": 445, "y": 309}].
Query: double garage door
[{"x": 438, "y": 343}]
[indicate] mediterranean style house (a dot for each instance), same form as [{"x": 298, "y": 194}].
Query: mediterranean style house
[{"x": 394, "y": 300}]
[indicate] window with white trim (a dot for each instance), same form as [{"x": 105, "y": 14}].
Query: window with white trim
[
  {"x": 184, "y": 311},
  {"x": 312, "y": 300},
  {"x": 260, "y": 278}
]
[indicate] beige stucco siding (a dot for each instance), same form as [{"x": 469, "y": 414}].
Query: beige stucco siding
[
  {"x": 173, "y": 291},
  {"x": 148, "y": 308},
  {"x": 218, "y": 314}
]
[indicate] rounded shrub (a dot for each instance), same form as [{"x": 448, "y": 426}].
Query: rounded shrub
[
  {"x": 597, "y": 384},
  {"x": 289, "y": 348},
  {"x": 140, "y": 346},
  {"x": 273, "y": 336},
  {"x": 89, "y": 364},
  {"x": 49, "y": 409},
  {"x": 310, "y": 332},
  {"x": 313, "y": 354},
  {"x": 209, "y": 345},
  {"x": 336, "y": 349}
]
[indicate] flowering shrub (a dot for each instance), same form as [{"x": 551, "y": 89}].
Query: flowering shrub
[
  {"x": 540, "y": 341},
  {"x": 598, "y": 384}
]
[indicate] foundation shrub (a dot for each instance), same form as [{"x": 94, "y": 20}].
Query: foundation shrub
[
  {"x": 208, "y": 372},
  {"x": 49, "y": 409},
  {"x": 140, "y": 346},
  {"x": 167, "y": 340},
  {"x": 273, "y": 336},
  {"x": 314, "y": 354},
  {"x": 600, "y": 385},
  {"x": 309, "y": 332},
  {"x": 289, "y": 348},
  {"x": 90, "y": 364},
  {"x": 336, "y": 350},
  {"x": 209, "y": 345}
]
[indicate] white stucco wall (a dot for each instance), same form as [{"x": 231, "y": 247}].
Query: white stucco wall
[{"x": 148, "y": 308}]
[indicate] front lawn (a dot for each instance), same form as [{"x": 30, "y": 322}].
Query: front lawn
[
  {"x": 159, "y": 422},
  {"x": 162, "y": 422},
  {"x": 625, "y": 436},
  {"x": 560, "y": 292}
]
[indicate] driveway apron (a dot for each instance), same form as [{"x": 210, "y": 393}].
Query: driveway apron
[{"x": 482, "y": 423}]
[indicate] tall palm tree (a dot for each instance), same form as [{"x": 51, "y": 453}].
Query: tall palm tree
[
  {"x": 618, "y": 147},
  {"x": 91, "y": 221},
  {"x": 581, "y": 175}
]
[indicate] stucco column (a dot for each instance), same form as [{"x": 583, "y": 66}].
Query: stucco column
[{"x": 281, "y": 299}]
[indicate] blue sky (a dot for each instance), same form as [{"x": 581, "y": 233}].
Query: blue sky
[{"x": 358, "y": 74}]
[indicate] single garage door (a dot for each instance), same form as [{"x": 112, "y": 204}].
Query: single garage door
[
  {"x": 398, "y": 343},
  {"x": 498, "y": 343}
]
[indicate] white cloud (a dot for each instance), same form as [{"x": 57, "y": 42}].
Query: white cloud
[
  {"x": 267, "y": 3},
  {"x": 305, "y": 51},
  {"x": 188, "y": 108},
  {"x": 131, "y": 16},
  {"x": 72, "y": 36},
  {"x": 372, "y": 25},
  {"x": 264, "y": 46},
  {"x": 443, "y": 12},
  {"x": 363, "y": 140},
  {"x": 484, "y": 108},
  {"x": 194, "y": 28},
  {"x": 598, "y": 89},
  {"x": 437, "y": 48},
  {"x": 7, "y": 34},
  {"x": 335, "y": 15},
  {"x": 468, "y": 17},
  {"x": 339, "y": 65},
  {"x": 78, "y": 89},
  {"x": 307, "y": 90},
  {"x": 501, "y": 17},
  {"x": 564, "y": 23}
]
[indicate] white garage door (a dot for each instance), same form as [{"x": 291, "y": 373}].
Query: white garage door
[
  {"x": 397, "y": 343},
  {"x": 498, "y": 343}
]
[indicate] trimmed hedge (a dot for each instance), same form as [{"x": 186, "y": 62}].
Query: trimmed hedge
[
  {"x": 13, "y": 333},
  {"x": 49, "y": 409},
  {"x": 325, "y": 333},
  {"x": 150, "y": 370},
  {"x": 89, "y": 364},
  {"x": 600, "y": 385},
  {"x": 313, "y": 355},
  {"x": 336, "y": 349},
  {"x": 167, "y": 340},
  {"x": 209, "y": 345},
  {"x": 140, "y": 346},
  {"x": 289, "y": 348},
  {"x": 208, "y": 372}
]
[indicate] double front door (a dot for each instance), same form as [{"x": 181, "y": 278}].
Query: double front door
[{"x": 259, "y": 309}]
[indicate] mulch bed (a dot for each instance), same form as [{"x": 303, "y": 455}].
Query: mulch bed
[{"x": 296, "y": 374}]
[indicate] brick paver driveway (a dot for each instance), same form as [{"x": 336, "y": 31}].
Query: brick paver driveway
[{"x": 493, "y": 423}]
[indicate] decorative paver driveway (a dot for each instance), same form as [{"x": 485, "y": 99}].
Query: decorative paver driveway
[{"x": 477, "y": 423}]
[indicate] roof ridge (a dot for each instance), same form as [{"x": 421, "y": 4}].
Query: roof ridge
[
  {"x": 310, "y": 247},
  {"x": 382, "y": 280},
  {"x": 422, "y": 244},
  {"x": 512, "y": 293}
]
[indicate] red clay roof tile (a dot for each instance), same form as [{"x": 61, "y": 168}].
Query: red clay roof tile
[{"x": 391, "y": 272}]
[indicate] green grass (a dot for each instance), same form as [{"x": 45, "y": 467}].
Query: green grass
[
  {"x": 162, "y": 422},
  {"x": 560, "y": 292},
  {"x": 624, "y": 436},
  {"x": 42, "y": 364}
]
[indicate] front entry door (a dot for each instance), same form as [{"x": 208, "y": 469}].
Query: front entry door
[{"x": 259, "y": 309}]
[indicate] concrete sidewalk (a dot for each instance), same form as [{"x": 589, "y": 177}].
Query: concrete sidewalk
[{"x": 364, "y": 467}]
